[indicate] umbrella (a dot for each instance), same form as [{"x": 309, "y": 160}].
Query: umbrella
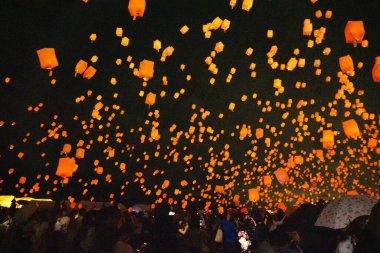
[
  {"x": 25, "y": 212},
  {"x": 374, "y": 220},
  {"x": 340, "y": 212},
  {"x": 301, "y": 218}
]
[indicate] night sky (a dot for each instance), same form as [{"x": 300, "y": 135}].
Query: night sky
[{"x": 223, "y": 150}]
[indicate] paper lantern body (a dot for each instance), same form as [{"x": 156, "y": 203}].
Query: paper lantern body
[
  {"x": 372, "y": 143},
  {"x": 253, "y": 194},
  {"x": 376, "y": 70},
  {"x": 66, "y": 167},
  {"x": 354, "y": 31},
  {"x": 136, "y": 8},
  {"x": 267, "y": 180},
  {"x": 146, "y": 69},
  {"x": 219, "y": 189},
  {"x": 150, "y": 99},
  {"x": 47, "y": 57},
  {"x": 328, "y": 139},
  {"x": 346, "y": 64},
  {"x": 247, "y": 5},
  {"x": 89, "y": 73},
  {"x": 66, "y": 148},
  {"x": 81, "y": 66},
  {"x": 259, "y": 133},
  {"x": 281, "y": 175},
  {"x": 165, "y": 184},
  {"x": 80, "y": 153},
  {"x": 351, "y": 128}
]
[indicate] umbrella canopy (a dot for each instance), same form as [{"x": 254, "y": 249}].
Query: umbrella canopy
[
  {"x": 374, "y": 220},
  {"x": 340, "y": 212},
  {"x": 25, "y": 212},
  {"x": 302, "y": 217}
]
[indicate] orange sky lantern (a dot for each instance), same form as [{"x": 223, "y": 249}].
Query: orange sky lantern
[
  {"x": 281, "y": 176},
  {"x": 66, "y": 167},
  {"x": 346, "y": 64},
  {"x": 48, "y": 59},
  {"x": 89, "y": 73},
  {"x": 328, "y": 139},
  {"x": 80, "y": 67},
  {"x": 253, "y": 194},
  {"x": 354, "y": 32},
  {"x": 351, "y": 128},
  {"x": 376, "y": 70},
  {"x": 136, "y": 8},
  {"x": 146, "y": 69}
]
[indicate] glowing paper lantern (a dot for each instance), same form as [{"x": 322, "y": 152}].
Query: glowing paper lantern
[
  {"x": 66, "y": 149},
  {"x": 372, "y": 143},
  {"x": 150, "y": 99},
  {"x": 346, "y": 64},
  {"x": 80, "y": 67},
  {"x": 89, "y": 73},
  {"x": 226, "y": 24},
  {"x": 354, "y": 32},
  {"x": 281, "y": 175},
  {"x": 136, "y": 8},
  {"x": 48, "y": 59},
  {"x": 66, "y": 167},
  {"x": 157, "y": 45},
  {"x": 247, "y": 5},
  {"x": 307, "y": 29},
  {"x": 351, "y": 128},
  {"x": 80, "y": 153},
  {"x": 259, "y": 133},
  {"x": 267, "y": 180},
  {"x": 22, "y": 180},
  {"x": 328, "y": 139},
  {"x": 376, "y": 70},
  {"x": 146, "y": 69},
  {"x": 219, "y": 189},
  {"x": 253, "y": 194},
  {"x": 165, "y": 184}
]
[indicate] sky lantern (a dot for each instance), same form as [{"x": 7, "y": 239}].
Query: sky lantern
[
  {"x": 136, "y": 8},
  {"x": 328, "y": 139},
  {"x": 48, "y": 59},
  {"x": 157, "y": 45},
  {"x": 253, "y": 194},
  {"x": 372, "y": 143},
  {"x": 376, "y": 70},
  {"x": 219, "y": 188},
  {"x": 351, "y": 128},
  {"x": 66, "y": 149},
  {"x": 146, "y": 69},
  {"x": 225, "y": 24},
  {"x": 150, "y": 99},
  {"x": 80, "y": 67},
  {"x": 247, "y": 5},
  {"x": 165, "y": 184},
  {"x": 267, "y": 180},
  {"x": 281, "y": 175},
  {"x": 89, "y": 73},
  {"x": 307, "y": 29},
  {"x": 22, "y": 180},
  {"x": 259, "y": 133},
  {"x": 66, "y": 167},
  {"x": 346, "y": 64},
  {"x": 354, "y": 32},
  {"x": 79, "y": 153}
]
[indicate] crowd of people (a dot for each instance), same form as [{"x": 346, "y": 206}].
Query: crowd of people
[{"x": 166, "y": 230}]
